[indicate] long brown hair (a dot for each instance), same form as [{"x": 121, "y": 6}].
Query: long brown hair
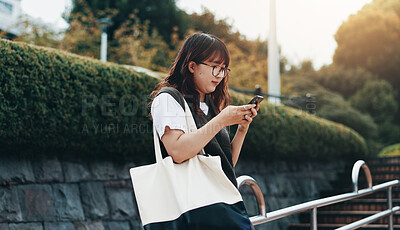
[{"x": 198, "y": 47}]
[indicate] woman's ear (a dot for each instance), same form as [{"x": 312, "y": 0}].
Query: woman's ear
[{"x": 192, "y": 66}]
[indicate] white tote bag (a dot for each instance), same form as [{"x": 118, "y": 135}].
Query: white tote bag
[{"x": 165, "y": 190}]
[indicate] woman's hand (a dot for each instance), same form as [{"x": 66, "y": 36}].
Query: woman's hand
[
  {"x": 244, "y": 125},
  {"x": 233, "y": 115}
]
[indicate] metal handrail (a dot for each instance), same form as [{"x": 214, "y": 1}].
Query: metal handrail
[
  {"x": 356, "y": 171},
  {"x": 246, "y": 180},
  {"x": 278, "y": 214}
]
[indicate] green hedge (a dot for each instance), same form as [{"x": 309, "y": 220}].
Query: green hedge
[
  {"x": 392, "y": 150},
  {"x": 52, "y": 102},
  {"x": 47, "y": 104},
  {"x": 280, "y": 132}
]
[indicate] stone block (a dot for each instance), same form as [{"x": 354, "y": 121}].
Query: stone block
[
  {"x": 4, "y": 226},
  {"x": 36, "y": 202},
  {"x": 97, "y": 225},
  {"x": 277, "y": 185},
  {"x": 123, "y": 170},
  {"x": 75, "y": 171},
  {"x": 103, "y": 170},
  {"x": 26, "y": 226},
  {"x": 118, "y": 184},
  {"x": 48, "y": 170},
  {"x": 67, "y": 202},
  {"x": 15, "y": 171},
  {"x": 261, "y": 183},
  {"x": 136, "y": 224},
  {"x": 121, "y": 203},
  {"x": 309, "y": 188},
  {"x": 94, "y": 200},
  {"x": 10, "y": 210},
  {"x": 58, "y": 226},
  {"x": 295, "y": 185},
  {"x": 117, "y": 225},
  {"x": 250, "y": 203},
  {"x": 268, "y": 226}
]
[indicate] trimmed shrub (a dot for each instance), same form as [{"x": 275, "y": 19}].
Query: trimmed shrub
[
  {"x": 331, "y": 105},
  {"x": 52, "y": 102},
  {"x": 392, "y": 150},
  {"x": 345, "y": 81},
  {"x": 280, "y": 132}
]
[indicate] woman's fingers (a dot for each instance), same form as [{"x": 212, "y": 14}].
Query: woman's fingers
[
  {"x": 254, "y": 112},
  {"x": 248, "y": 106},
  {"x": 248, "y": 118}
]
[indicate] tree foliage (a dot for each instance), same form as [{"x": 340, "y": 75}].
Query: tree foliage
[
  {"x": 162, "y": 15},
  {"x": 134, "y": 44},
  {"x": 206, "y": 22},
  {"x": 346, "y": 81},
  {"x": 378, "y": 99},
  {"x": 329, "y": 105},
  {"x": 83, "y": 35},
  {"x": 370, "y": 39},
  {"x": 36, "y": 33}
]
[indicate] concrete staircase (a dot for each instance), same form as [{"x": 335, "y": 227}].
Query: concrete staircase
[{"x": 335, "y": 216}]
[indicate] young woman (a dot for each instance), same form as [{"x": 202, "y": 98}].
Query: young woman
[{"x": 200, "y": 73}]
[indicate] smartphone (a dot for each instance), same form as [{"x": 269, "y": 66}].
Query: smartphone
[{"x": 257, "y": 99}]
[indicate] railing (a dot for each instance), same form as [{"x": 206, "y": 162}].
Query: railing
[
  {"x": 264, "y": 217},
  {"x": 295, "y": 102}
]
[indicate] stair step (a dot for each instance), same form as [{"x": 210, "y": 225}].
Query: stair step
[
  {"x": 361, "y": 204},
  {"x": 335, "y": 226},
  {"x": 378, "y": 179},
  {"x": 383, "y": 160},
  {"x": 379, "y": 194},
  {"x": 345, "y": 217},
  {"x": 334, "y": 216},
  {"x": 384, "y": 167},
  {"x": 392, "y": 172}
]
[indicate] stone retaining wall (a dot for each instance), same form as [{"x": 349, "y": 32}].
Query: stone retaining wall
[{"x": 73, "y": 194}]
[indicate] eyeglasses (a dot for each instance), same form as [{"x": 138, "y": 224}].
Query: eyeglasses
[{"x": 216, "y": 69}]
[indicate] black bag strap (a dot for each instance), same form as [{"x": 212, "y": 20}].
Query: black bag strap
[{"x": 175, "y": 94}]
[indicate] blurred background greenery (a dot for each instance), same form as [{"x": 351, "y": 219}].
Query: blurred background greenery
[{"x": 360, "y": 89}]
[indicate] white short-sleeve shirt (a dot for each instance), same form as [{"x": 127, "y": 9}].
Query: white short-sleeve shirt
[{"x": 166, "y": 111}]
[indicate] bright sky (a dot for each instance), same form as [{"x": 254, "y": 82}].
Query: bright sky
[{"x": 305, "y": 28}]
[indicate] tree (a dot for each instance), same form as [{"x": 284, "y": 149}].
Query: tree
[
  {"x": 378, "y": 99},
  {"x": 134, "y": 45},
  {"x": 37, "y": 33},
  {"x": 83, "y": 35},
  {"x": 207, "y": 23},
  {"x": 162, "y": 15},
  {"x": 370, "y": 39},
  {"x": 346, "y": 81},
  {"x": 329, "y": 105},
  {"x": 248, "y": 70}
]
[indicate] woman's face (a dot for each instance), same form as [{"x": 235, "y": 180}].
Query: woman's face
[{"x": 203, "y": 78}]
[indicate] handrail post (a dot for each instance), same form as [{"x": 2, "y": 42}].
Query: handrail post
[
  {"x": 356, "y": 171},
  {"x": 390, "y": 206},
  {"x": 242, "y": 180},
  {"x": 314, "y": 219}
]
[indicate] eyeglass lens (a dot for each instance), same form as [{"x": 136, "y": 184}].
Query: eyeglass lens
[{"x": 218, "y": 69}]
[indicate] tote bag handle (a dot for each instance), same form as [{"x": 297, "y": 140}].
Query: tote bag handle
[{"x": 190, "y": 125}]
